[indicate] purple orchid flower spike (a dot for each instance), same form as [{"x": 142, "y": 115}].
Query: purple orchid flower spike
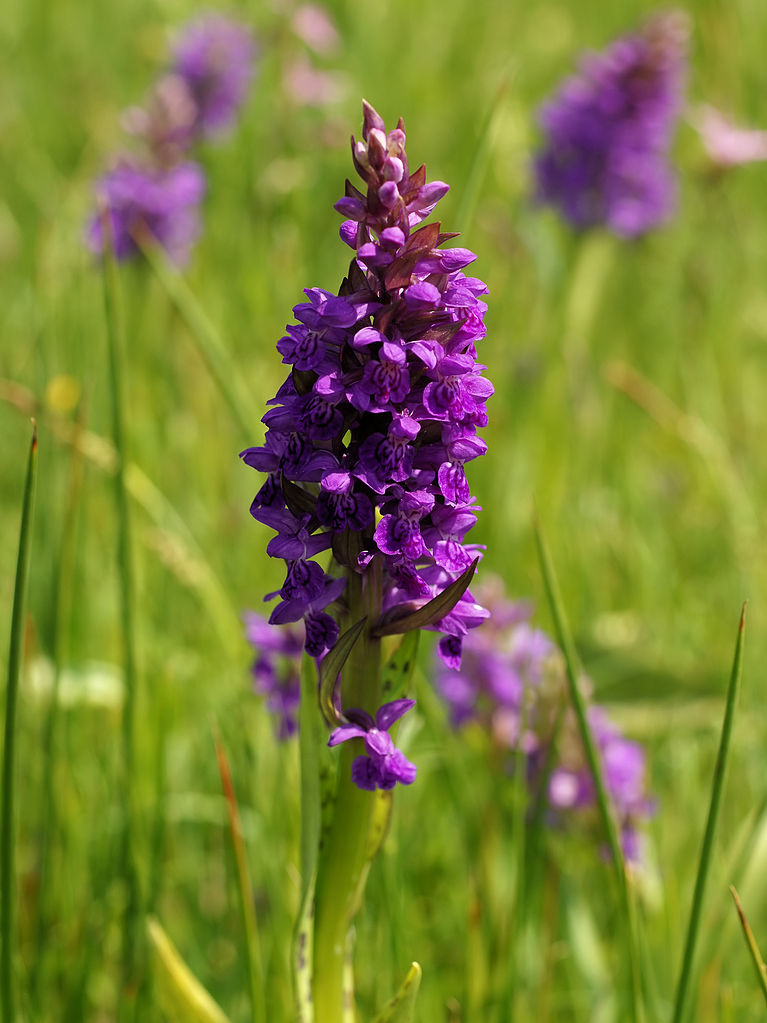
[
  {"x": 608, "y": 132},
  {"x": 368, "y": 438},
  {"x": 383, "y": 765}
]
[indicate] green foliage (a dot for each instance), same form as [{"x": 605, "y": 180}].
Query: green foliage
[{"x": 630, "y": 383}]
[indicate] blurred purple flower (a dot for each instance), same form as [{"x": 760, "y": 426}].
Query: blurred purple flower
[
  {"x": 162, "y": 203},
  {"x": 623, "y": 762},
  {"x": 277, "y": 668},
  {"x": 215, "y": 58},
  {"x": 608, "y": 131},
  {"x": 511, "y": 683}
]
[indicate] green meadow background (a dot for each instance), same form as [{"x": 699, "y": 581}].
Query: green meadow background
[{"x": 630, "y": 411}]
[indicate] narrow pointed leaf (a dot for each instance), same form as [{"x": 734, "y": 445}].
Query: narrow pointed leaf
[
  {"x": 753, "y": 948},
  {"x": 182, "y": 995},
  {"x": 396, "y": 621},
  {"x": 717, "y": 788},
  {"x": 593, "y": 759},
  {"x": 7, "y": 825},
  {"x": 400, "y": 1008},
  {"x": 331, "y": 668}
]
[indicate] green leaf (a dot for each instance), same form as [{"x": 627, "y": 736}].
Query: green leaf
[
  {"x": 8, "y": 939},
  {"x": 310, "y": 738},
  {"x": 398, "y": 670},
  {"x": 400, "y": 1008},
  {"x": 331, "y": 668},
  {"x": 717, "y": 788},
  {"x": 182, "y": 995},
  {"x": 397, "y": 620},
  {"x": 594, "y": 761}
]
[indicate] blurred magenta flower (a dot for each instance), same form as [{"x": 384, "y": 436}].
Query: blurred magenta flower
[
  {"x": 511, "y": 684},
  {"x": 161, "y": 203},
  {"x": 277, "y": 668},
  {"x": 726, "y": 144},
  {"x": 158, "y": 194},
  {"x": 215, "y": 58},
  {"x": 314, "y": 26},
  {"x": 608, "y": 130}
]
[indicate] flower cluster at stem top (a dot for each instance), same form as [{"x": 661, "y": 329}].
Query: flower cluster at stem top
[{"x": 368, "y": 437}]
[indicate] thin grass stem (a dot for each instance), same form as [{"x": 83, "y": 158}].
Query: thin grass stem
[
  {"x": 208, "y": 340},
  {"x": 717, "y": 788},
  {"x": 7, "y": 825},
  {"x": 61, "y": 626},
  {"x": 593, "y": 759},
  {"x": 244, "y": 889},
  {"x": 125, "y": 567}
]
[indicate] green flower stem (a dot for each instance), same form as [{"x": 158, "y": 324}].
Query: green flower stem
[
  {"x": 707, "y": 845},
  {"x": 595, "y": 769},
  {"x": 344, "y": 859},
  {"x": 7, "y": 825},
  {"x": 125, "y": 565}
]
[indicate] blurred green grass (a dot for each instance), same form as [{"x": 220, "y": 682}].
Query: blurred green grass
[{"x": 653, "y": 512}]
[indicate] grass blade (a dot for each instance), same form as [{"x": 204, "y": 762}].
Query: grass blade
[
  {"x": 595, "y": 768},
  {"x": 207, "y": 339},
  {"x": 7, "y": 836},
  {"x": 182, "y": 994},
  {"x": 125, "y": 567},
  {"x": 244, "y": 888},
  {"x": 748, "y": 934},
  {"x": 65, "y": 570},
  {"x": 717, "y": 789}
]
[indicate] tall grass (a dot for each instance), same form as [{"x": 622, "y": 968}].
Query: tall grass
[{"x": 630, "y": 405}]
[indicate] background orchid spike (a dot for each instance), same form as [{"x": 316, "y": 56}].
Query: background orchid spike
[
  {"x": 511, "y": 682},
  {"x": 157, "y": 194},
  {"x": 368, "y": 437},
  {"x": 276, "y": 669},
  {"x": 608, "y": 131},
  {"x": 162, "y": 204}
]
